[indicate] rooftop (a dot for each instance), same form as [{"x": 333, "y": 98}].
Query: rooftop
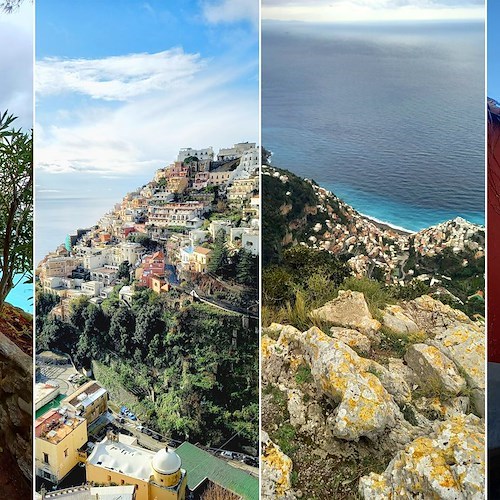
[
  {"x": 127, "y": 459},
  {"x": 43, "y": 390},
  {"x": 94, "y": 493},
  {"x": 55, "y": 425},
  {"x": 200, "y": 465},
  {"x": 85, "y": 395},
  {"x": 202, "y": 250}
]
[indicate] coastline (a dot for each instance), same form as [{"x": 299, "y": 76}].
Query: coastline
[{"x": 387, "y": 226}]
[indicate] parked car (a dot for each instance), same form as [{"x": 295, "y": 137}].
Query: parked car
[{"x": 227, "y": 454}]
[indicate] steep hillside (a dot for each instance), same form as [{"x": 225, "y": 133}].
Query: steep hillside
[{"x": 447, "y": 258}]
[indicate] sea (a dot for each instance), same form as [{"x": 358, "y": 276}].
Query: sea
[
  {"x": 22, "y": 294},
  {"x": 67, "y": 202},
  {"x": 389, "y": 117}
]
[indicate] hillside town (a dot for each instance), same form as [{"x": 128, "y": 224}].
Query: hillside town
[
  {"x": 375, "y": 249},
  {"x": 190, "y": 235},
  {"x": 162, "y": 234}
]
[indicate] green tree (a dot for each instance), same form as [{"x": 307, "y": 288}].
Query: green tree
[
  {"x": 16, "y": 205},
  {"x": 45, "y": 302},
  {"x": 124, "y": 270},
  {"x": 247, "y": 268},
  {"x": 219, "y": 258},
  {"x": 121, "y": 329}
]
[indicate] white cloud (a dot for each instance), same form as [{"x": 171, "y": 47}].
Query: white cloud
[
  {"x": 16, "y": 65},
  {"x": 145, "y": 131},
  {"x": 230, "y": 11},
  {"x": 117, "y": 78},
  {"x": 371, "y": 10}
]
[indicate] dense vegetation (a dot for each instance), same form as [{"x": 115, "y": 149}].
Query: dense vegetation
[
  {"x": 193, "y": 372},
  {"x": 16, "y": 205},
  {"x": 296, "y": 279},
  {"x": 280, "y": 211}
]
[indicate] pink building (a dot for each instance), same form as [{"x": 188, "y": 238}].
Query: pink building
[{"x": 152, "y": 265}]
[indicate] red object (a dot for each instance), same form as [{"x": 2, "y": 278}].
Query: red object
[{"x": 493, "y": 232}]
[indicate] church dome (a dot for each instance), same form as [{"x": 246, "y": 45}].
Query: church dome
[{"x": 166, "y": 461}]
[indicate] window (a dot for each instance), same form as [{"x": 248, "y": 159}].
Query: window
[{"x": 46, "y": 458}]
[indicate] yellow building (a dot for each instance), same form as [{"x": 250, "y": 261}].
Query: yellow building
[
  {"x": 90, "y": 401},
  {"x": 59, "y": 436},
  {"x": 200, "y": 259},
  {"x": 177, "y": 184},
  {"x": 156, "y": 476}
]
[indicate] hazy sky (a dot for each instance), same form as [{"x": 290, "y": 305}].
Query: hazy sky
[
  {"x": 371, "y": 10},
  {"x": 16, "y": 64}
]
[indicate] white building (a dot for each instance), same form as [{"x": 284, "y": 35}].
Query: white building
[
  {"x": 175, "y": 214},
  {"x": 201, "y": 154},
  {"x": 236, "y": 151}
]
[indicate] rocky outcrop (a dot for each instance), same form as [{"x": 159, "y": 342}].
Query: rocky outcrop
[
  {"x": 16, "y": 398},
  {"x": 465, "y": 346},
  {"x": 432, "y": 316},
  {"x": 448, "y": 464},
  {"x": 276, "y": 471},
  {"x": 349, "y": 310},
  {"x": 433, "y": 368},
  {"x": 396, "y": 320},
  {"x": 354, "y": 339},
  {"x": 364, "y": 408},
  {"x": 414, "y": 408}
]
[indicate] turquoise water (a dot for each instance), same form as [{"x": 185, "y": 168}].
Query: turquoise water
[
  {"x": 22, "y": 296},
  {"x": 399, "y": 214}
]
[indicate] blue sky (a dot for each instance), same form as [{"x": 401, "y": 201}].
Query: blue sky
[
  {"x": 122, "y": 85},
  {"x": 493, "y": 56}
]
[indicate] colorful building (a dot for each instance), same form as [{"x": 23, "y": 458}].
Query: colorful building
[
  {"x": 90, "y": 401},
  {"x": 119, "y": 460},
  {"x": 59, "y": 438}
]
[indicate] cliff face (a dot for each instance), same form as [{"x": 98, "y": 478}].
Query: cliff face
[
  {"x": 382, "y": 409},
  {"x": 16, "y": 397}
]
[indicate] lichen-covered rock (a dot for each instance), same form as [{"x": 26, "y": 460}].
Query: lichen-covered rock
[
  {"x": 448, "y": 464},
  {"x": 434, "y": 369},
  {"x": 364, "y": 408},
  {"x": 272, "y": 359},
  {"x": 276, "y": 480},
  {"x": 432, "y": 316},
  {"x": 296, "y": 408},
  {"x": 434, "y": 408},
  {"x": 396, "y": 320},
  {"x": 349, "y": 310},
  {"x": 465, "y": 346},
  {"x": 398, "y": 367},
  {"x": 354, "y": 339}
]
